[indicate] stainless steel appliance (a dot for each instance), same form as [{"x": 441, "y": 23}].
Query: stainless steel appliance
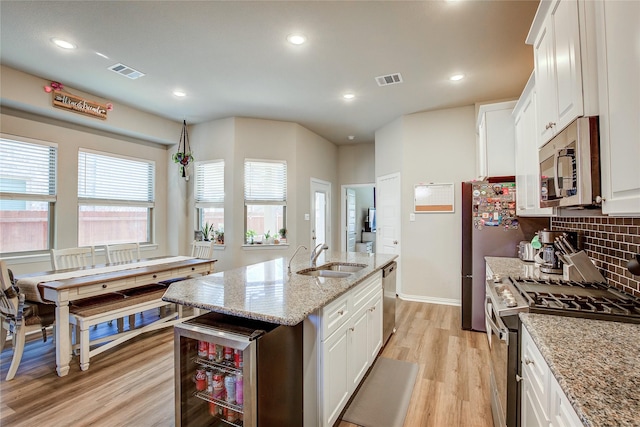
[
  {"x": 526, "y": 251},
  {"x": 570, "y": 166},
  {"x": 508, "y": 297},
  {"x": 489, "y": 228},
  {"x": 389, "y": 299},
  {"x": 257, "y": 364}
]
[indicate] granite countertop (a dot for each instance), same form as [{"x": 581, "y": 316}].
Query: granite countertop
[
  {"x": 265, "y": 291},
  {"x": 515, "y": 267},
  {"x": 596, "y": 363}
]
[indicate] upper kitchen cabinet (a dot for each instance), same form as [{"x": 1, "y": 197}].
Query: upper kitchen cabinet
[
  {"x": 526, "y": 155},
  {"x": 496, "y": 138},
  {"x": 563, "y": 39},
  {"x": 618, "y": 37}
]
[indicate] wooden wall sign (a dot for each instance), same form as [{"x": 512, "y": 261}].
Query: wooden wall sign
[{"x": 79, "y": 105}]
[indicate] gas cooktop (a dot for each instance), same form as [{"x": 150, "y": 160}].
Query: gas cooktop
[{"x": 579, "y": 299}]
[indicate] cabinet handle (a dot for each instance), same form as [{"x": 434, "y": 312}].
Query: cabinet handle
[
  {"x": 352, "y": 329},
  {"x": 341, "y": 312},
  {"x": 519, "y": 378},
  {"x": 528, "y": 361},
  {"x": 551, "y": 124}
]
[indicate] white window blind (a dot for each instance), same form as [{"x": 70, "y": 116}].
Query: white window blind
[
  {"x": 209, "y": 182},
  {"x": 265, "y": 182},
  {"x": 114, "y": 179},
  {"x": 27, "y": 170}
]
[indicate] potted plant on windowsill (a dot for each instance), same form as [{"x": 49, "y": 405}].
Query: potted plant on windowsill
[
  {"x": 283, "y": 234},
  {"x": 250, "y": 236},
  {"x": 207, "y": 232},
  {"x": 220, "y": 236}
]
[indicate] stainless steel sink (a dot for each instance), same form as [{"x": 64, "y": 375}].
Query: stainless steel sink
[
  {"x": 341, "y": 266},
  {"x": 333, "y": 269},
  {"x": 324, "y": 273}
]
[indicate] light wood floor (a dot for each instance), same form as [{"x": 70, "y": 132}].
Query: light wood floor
[{"x": 132, "y": 385}]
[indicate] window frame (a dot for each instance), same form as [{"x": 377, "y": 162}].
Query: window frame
[
  {"x": 254, "y": 201},
  {"x": 203, "y": 201},
  {"x": 149, "y": 204},
  {"x": 51, "y": 198}
]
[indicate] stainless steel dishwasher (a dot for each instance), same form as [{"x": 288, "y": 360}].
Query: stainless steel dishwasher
[{"x": 389, "y": 300}]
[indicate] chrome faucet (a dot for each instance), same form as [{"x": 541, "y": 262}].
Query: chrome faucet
[
  {"x": 316, "y": 253},
  {"x": 294, "y": 254}
]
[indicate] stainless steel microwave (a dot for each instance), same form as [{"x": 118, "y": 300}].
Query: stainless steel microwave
[{"x": 570, "y": 166}]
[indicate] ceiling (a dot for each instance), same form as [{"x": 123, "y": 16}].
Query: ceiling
[{"x": 232, "y": 57}]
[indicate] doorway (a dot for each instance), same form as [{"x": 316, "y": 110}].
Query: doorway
[
  {"x": 320, "y": 213},
  {"x": 358, "y": 201}
]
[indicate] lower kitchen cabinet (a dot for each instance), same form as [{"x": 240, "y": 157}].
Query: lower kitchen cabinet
[
  {"x": 543, "y": 401},
  {"x": 348, "y": 352}
]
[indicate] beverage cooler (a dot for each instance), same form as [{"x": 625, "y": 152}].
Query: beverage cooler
[{"x": 232, "y": 371}]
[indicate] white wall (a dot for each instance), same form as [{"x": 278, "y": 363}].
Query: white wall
[
  {"x": 438, "y": 147},
  {"x": 234, "y": 139},
  {"x": 356, "y": 163},
  {"x": 71, "y": 137}
]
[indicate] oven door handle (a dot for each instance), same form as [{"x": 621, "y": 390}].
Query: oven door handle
[{"x": 500, "y": 330}]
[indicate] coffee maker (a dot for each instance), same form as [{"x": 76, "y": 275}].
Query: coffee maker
[{"x": 550, "y": 261}]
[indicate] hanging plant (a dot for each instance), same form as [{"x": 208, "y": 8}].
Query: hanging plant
[{"x": 183, "y": 156}]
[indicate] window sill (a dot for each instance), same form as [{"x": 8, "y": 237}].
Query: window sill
[{"x": 271, "y": 247}]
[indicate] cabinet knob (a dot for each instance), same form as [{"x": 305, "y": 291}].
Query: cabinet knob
[
  {"x": 155, "y": 276},
  {"x": 551, "y": 124},
  {"x": 518, "y": 378},
  {"x": 104, "y": 286},
  {"x": 341, "y": 312},
  {"x": 528, "y": 361},
  {"x": 352, "y": 329}
]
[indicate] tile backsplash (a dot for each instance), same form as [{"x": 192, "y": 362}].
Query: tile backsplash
[{"x": 610, "y": 242}]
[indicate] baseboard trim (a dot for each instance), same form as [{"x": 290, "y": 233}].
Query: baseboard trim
[{"x": 432, "y": 300}]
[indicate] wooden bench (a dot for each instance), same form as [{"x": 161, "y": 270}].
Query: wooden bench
[{"x": 87, "y": 312}]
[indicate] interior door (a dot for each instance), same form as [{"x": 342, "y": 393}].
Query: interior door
[
  {"x": 388, "y": 210},
  {"x": 351, "y": 220},
  {"x": 320, "y": 213}
]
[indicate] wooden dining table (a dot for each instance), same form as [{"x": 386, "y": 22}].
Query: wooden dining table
[{"x": 63, "y": 286}]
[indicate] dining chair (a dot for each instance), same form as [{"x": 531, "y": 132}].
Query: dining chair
[
  {"x": 202, "y": 249},
  {"x": 125, "y": 252},
  {"x": 73, "y": 257},
  {"x": 19, "y": 317}
]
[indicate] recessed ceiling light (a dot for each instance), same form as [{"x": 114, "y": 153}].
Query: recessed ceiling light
[
  {"x": 296, "y": 39},
  {"x": 456, "y": 77},
  {"x": 179, "y": 93},
  {"x": 63, "y": 43},
  {"x": 348, "y": 96},
  {"x": 351, "y": 137}
]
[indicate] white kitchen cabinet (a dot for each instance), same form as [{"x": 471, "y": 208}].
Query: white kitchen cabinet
[
  {"x": 618, "y": 36},
  {"x": 336, "y": 386},
  {"x": 526, "y": 155},
  {"x": 350, "y": 337},
  {"x": 563, "y": 39},
  {"x": 543, "y": 401},
  {"x": 496, "y": 139}
]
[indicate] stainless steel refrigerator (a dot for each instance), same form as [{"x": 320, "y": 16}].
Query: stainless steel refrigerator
[{"x": 490, "y": 227}]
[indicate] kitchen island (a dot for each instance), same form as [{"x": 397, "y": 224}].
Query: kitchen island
[
  {"x": 596, "y": 364},
  {"x": 266, "y": 292},
  {"x": 338, "y": 321}
]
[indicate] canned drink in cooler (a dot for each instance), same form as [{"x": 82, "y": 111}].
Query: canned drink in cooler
[
  {"x": 228, "y": 355},
  {"x": 209, "y": 374},
  {"x": 219, "y": 353},
  {"x": 218, "y": 386},
  {"x": 237, "y": 358},
  {"x": 230, "y": 388},
  {"x": 201, "y": 380},
  {"x": 239, "y": 390},
  {"x": 203, "y": 348},
  {"x": 211, "y": 351}
]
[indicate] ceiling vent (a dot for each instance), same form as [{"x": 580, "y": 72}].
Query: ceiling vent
[
  {"x": 389, "y": 79},
  {"x": 126, "y": 71}
]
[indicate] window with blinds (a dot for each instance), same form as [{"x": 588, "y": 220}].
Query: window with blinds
[
  {"x": 209, "y": 198},
  {"x": 115, "y": 197},
  {"x": 27, "y": 195},
  {"x": 265, "y": 199}
]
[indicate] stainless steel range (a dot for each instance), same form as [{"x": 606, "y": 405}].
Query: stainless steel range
[{"x": 509, "y": 296}]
